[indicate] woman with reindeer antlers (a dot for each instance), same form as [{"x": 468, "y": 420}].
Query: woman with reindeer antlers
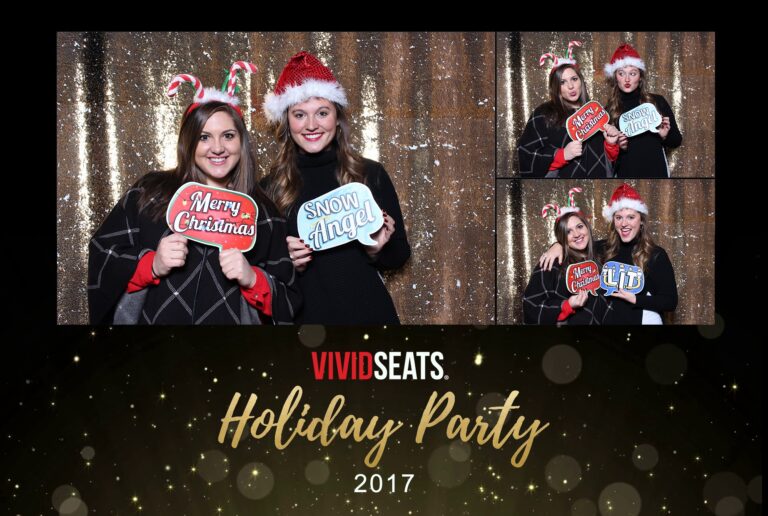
[
  {"x": 140, "y": 272},
  {"x": 545, "y": 149},
  {"x": 547, "y": 298}
]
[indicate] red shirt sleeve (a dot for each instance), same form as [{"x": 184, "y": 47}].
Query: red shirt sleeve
[
  {"x": 142, "y": 277},
  {"x": 566, "y": 310},
  {"x": 611, "y": 150},
  {"x": 559, "y": 161},
  {"x": 259, "y": 295}
]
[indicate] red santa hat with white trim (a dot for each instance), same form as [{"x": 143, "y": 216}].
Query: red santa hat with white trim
[
  {"x": 304, "y": 76},
  {"x": 625, "y": 55},
  {"x": 624, "y": 197}
]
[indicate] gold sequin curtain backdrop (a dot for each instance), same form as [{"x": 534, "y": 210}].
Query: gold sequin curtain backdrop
[
  {"x": 680, "y": 66},
  {"x": 681, "y": 220},
  {"x": 421, "y": 103}
]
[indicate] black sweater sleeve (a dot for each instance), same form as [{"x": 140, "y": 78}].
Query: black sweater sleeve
[
  {"x": 535, "y": 149},
  {"x": 396, "y": 252},
  {"x": 541, "y": 300},
  {"x": 660, "y": 282},
  {"x": 113, "y": 254},
  {"x": 674, "y": 137},
  {"x": 272, "y": 257}
]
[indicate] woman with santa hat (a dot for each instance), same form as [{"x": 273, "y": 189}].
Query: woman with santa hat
[
  {"x": 342, "y": 285},
  {"x": 643, "y": 155},
  {"x": 629, "y": 241},
  {"x": 545, "y": 149},
  {"x": 142, "y": 272}
]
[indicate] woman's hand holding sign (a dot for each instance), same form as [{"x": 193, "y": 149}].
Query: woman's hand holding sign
[
  {"x": 300, "y": 253},
  {"x": 578, "y": 300},
  {"x": 236, "y": 268},
  {"x": 664, "y": 127},
  {"x": 382, "y": 236},
  {"x": 611, "y": 134},
  {"x": 572, "y": 150},
  {"x": 171, "y": 252},
  {"x": 629, "y": 297},
  {"x": 623, "y": 141}
]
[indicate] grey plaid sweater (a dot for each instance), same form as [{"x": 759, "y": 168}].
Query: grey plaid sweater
[
  {"x": 539, "y": 142},
  {"x": 198, "y": 292},
  {"x": 545, "y": 294}
]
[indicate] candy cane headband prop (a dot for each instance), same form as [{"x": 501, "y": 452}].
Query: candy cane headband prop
[
  {"x": 205, "y": 95},
  {"x": 557, "y": 210},
  {"x": 560, "y": 61}
]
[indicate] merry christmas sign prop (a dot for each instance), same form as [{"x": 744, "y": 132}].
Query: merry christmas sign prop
[
  {"x": 341, "y": 216},
  {"x": 583, "y": 276},
  {"x": 213, "y": 216},
  {"x": 587, "y": 121}
]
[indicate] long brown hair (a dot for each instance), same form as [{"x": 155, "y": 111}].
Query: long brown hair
[
  {"x": 643, "y": 247},
  {"x": 561, "y": 235},
  {"x": 157, "y": 189},
  {"x": 613, "y": 106},
  {"x": 283, "y": 182},
  {"x": 555, "y": 110}
]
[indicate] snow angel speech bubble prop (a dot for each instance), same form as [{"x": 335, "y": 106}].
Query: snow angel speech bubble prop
[
  {"x": 340, "y": 216},
  {"x": 643, "y": 118}
]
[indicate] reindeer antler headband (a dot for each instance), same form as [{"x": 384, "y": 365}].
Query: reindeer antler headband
[{"x": 205, "y": 95}]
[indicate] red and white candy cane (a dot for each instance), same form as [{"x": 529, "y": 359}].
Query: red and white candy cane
[
  {"x": 553, "y": 207},
  {"x": 180, "y": 79},
  {"x": 548, "y": 55},
  {"x": 237, "y": 66},
  {"x": 572, "y": 44},
  {"x": 571, "y": 200}
]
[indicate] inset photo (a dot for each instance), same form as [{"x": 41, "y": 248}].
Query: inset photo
[
  {"x": 597, "y": 105},
  {"x": 606, "y": 252},
  {"x": 241, "y": 178}
]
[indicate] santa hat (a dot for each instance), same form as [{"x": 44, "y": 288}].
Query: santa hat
[
  {"x": 558, "y": 211},
  {"x": 204, "y": 95},
  {"x": 558, "y": 60},
  {"x": 302, "y": 78},
  {"x": 625, "y": 55},
  {"x": 624, "y": 197}
]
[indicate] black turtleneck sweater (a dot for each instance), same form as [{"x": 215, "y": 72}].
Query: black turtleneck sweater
[
  {"x": 659, "y": 293},
  {"x": 342, "y": 285},
  {"x": 645, "y": 156}
]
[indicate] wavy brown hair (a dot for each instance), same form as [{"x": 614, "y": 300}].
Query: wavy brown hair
[
  {"x": 157, "y": 189},
  {"x": 283, "y": 182},
  {"x": 613, "y": 106},
  {"x": 561, "y": 234},
  {"x": 555, "y": 110},
  {"x": 643, "y": 247}
]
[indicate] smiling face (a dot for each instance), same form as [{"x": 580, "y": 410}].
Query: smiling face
[
  {"x": 218, "y": 149},
  {"x": 627, "y": 223},
  {"x": 570, "y": 87},
  {"x": 313, "y": 124},
  {"x": 577, "y": 234},
  {"x": 628, "y": 78}
]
